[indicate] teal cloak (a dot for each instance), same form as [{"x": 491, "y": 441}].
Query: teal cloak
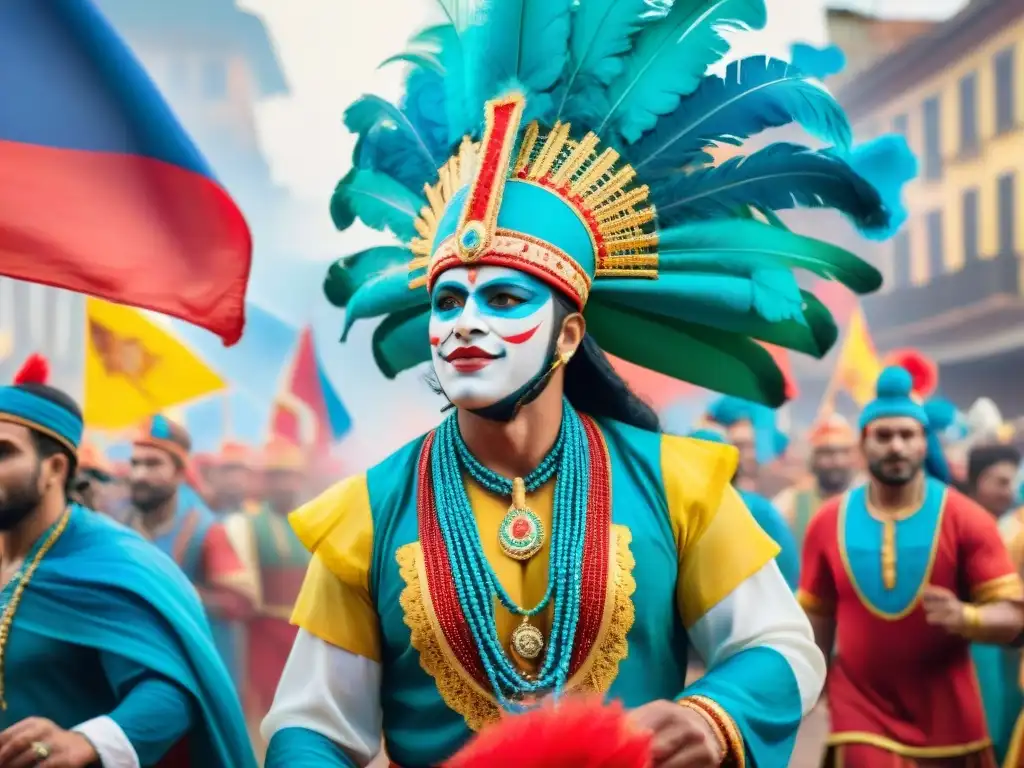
[{"x": 103, "y": 587}]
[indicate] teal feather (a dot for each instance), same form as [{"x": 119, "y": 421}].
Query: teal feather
[
  {"x": 817, "y": 62},
  {"x": 417, "y": 59},
  {"x": 384, "y": 293},
  {"x": 888, "y": 164},
  {"x": 779, "y": 177},
  {"x": 518, "y": 40},
  {"x": 346, "y": 274},
  {"x": 400, "y": 341},
  {"x": 370, "y": 111},
  {"x": 378, "y": 201},
  {"x": 756, "y": 93},
  {"x": 602, "y": 32},
  {"x": 670, "y": 58},
  {"x": 742, "y": 246}
]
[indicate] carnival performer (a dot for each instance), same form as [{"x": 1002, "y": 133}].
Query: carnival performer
[
  {"x": 768, "y": 517},
  {"x": 901, "y": 575},
  {"x": 171, "y": 514},
  {"x": 105, "y": 658},
  {"x": 547, "y": 539},
  {"x": 751, "y": 429},
  {"x": 231, "y": 477},
  {"x": 832, "y": 467},
  {"x": 270, "y": 549}
]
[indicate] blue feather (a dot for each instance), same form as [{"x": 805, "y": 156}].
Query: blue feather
[
  {"x": 779, "y": 177},
  {"x": 378, "y": 201},
  {"x": 425, "y": 104},
  {"x": 817, "y": 62},
  {"x": 888, "y": 164},
  {"x": 602, "y": 31},
  {"x": 670, "y": 58},
  {"x": 517, "y": 40},
  {"x": 369, "y": 111},
  {"x": 385, "y": 293},
  {"x": 756, "y": 93}
]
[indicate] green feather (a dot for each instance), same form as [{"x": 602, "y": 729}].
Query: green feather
[
  {"x": 348, "y": 273},
  {"x": 382, "y": 294},
  {"x": 742, "y": 246},
  {"x": 670, "y": 58},
  {"x": 711, "y": 358},
  {"x": 378, "y": 201}
]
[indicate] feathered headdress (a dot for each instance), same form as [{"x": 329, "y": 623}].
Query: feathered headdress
[{"x": 574, "y": 141}]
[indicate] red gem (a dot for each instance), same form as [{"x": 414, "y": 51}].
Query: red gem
[{"x": 520, "y": 528}]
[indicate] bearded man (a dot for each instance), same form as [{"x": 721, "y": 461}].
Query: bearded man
[
  {"x": 105, "y": 658},
  {"x": 900, "y": 576}
]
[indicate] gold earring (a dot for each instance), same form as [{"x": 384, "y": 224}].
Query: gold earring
[{"x": 566, "y": 357}]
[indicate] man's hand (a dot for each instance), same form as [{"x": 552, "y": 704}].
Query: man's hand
[
  {"x": 35, "y": 742},
  {"x": 683, "y": 738},
  {"x": 943, "y": 608}
]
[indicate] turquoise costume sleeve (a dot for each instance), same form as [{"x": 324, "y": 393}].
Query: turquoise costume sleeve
[
  {"x": 772, "y": 523},
  {"x": 758, "y": 690},
  {"x": 301, "y": 746},
  {"x": 154, "y": 713}
]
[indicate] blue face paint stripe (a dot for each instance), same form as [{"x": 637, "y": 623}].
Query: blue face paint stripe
[{"x": 533, "y": 293}]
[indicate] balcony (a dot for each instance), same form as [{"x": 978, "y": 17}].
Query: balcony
[{"x": 978, "y": 282}]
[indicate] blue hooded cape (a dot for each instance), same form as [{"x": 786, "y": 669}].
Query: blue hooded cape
[{"x": 102, "y": 586}]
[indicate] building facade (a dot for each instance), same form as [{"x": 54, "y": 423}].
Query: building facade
[{"x": 954, "y": 285}]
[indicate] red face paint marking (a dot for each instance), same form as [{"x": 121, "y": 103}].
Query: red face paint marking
[
  {"x": 471, "y": 275},
  {"x": 522, "y": 338},
  {"x": 434, "y": 341}
]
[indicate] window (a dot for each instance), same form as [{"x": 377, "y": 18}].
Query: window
[
  {"x": 969, "y": 114},
  {"x": 936, "y": 256},
  {"x": 900, "y": 125},
  {"x": 901, "y": 259},
  {"x": 1006, "y": 194},
  {"x": 215, "y": 79},
  {"x": 932, "y": 140},
  {"x": 970, "y": 224},
  {"x": 1006, "y": 100}
]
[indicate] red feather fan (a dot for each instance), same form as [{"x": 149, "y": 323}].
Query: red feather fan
[
  {"x": 923, "y": 370},
  {"x": 35, "y": 370},
  {"x": 576, "y": 732}
]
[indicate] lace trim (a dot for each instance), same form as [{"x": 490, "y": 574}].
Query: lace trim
[{"x": 459, "y": 691}]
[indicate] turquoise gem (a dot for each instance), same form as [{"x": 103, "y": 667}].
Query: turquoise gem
[{"x": 470, "y": 239}]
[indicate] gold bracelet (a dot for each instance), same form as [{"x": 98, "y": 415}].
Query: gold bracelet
[
  {"x": 971, "y": 617},
  {"x": 728, "y": 735}
]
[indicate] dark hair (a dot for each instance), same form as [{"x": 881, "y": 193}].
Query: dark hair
[
  {"x": 594, "y": 387},
  {"x": 47, "y": 446},
  {"x": 983, "y": 457}
]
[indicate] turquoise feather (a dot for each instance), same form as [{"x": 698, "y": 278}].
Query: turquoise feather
[
  {"x": 369, "y": 111},
  {"x": 346, "y": 274},
  {"x": 385, "y": 293},
  {"x": 888, "y": 164},
  {"x": 400, "y": 341},
  {"x": 670, "y": 58},
  {"x": 602, "y": 32},
  {"x": 817, "y": 62},
  {"x": 740, "y": 247},
  {"x": 526, "y": 41},
  {"x": 778, "y": 177},
  {"x": 756, "y": 93},
  {"x": 378, "y": 201}
]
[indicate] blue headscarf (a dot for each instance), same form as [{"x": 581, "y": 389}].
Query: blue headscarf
[
  {"x": 769, "y": 440},
  {"x": 894, "y": 398},
  {"x": 31, "y": 402}
]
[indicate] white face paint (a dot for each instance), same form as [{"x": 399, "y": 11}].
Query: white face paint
[{"x": 490, "y": 332}]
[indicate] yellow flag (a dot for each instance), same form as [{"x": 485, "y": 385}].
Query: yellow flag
[
  {"x": 858, "y": 367},
  {"x": 135, "y": 369}
]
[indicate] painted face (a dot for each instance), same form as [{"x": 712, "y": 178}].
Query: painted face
[{"x": 490, "y": 333}]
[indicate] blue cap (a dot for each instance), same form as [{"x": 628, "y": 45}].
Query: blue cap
[
  {"x": 769, "y": 441},
  {"x": 31, "y": 402}
]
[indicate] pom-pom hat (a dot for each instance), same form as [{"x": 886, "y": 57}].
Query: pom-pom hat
[
  {"x": 769, "y": 441},
  {"x": 894, "y": 397},
  {"x": 31, "y": 402}
]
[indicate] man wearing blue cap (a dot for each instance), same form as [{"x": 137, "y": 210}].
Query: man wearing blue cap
[
  {"x": 900, "y": 575},
  {"x": 105, "y": 654}
]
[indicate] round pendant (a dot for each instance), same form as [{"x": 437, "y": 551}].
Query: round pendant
[
  {"x": 527, "y": 641},
  {"x": 521, "y": 534}
]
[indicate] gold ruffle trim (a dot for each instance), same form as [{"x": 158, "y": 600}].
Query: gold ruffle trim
[{"x": 460, "y": 692}]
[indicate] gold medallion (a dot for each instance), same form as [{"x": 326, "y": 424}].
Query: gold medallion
[
  {"x": 521, "y": 534},
  {"x": 527, "y": 640}
]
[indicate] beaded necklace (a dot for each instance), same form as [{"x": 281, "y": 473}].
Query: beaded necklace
[
  {"x": 475, "y": 582},
  {"x": 10, "y": 596}
]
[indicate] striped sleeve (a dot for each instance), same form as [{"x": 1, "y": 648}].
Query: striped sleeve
[{"x": 764, "y": 669}]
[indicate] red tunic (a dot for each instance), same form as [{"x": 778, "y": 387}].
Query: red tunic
[{"x": 899, "y": 684}]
